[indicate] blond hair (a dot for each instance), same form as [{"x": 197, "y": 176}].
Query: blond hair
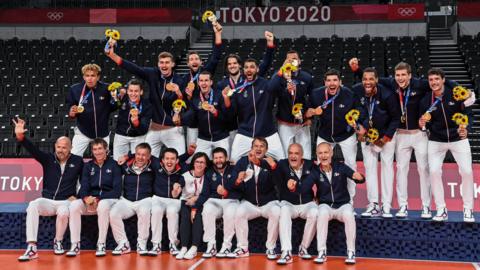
[{"x": 91, "y": 67}]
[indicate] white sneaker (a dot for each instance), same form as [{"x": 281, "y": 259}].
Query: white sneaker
[
  {"x": 122, "y": 248},
  {"x": 223, "y": 253},
  {"x": 238, "y": 253},
  {"x": 373, "y": 210},
  {"x": 442, "y": 215},
  {"x": 142, "y": 249},
  {"x": 402, "y": 212},
  {"x": 303, "y": 253},
  {"x": 426, "y": 213},
  {"x": 101, "y": 250},
  {"x": 156, "y": 249},
  {"x": 322, "y": 257},
  {"x": 386, "y": 212},
  {"x": 285, "y": 258},
  {"x": 30, "y": 253},
  {"x": 350, "y": 257},
  {"x": 74, "y": 250},
  {"x": 468, "y": 215},
  {"x": 191, "y": 253},
  {"x": 211, "y": 251},
  {"x": 181, "y": 253},
  {"x": 57, "y": 247},
  {"x": 271, "y": 254},
  {"x": 173, "y": 249}
]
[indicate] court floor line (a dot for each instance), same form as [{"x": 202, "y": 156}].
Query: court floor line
[{"x": 196, "y": 264}]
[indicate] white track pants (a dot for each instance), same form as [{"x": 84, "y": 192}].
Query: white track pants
[
  {"x": 343, "y": 214},
  {"x": 208, "y": 146},
  {"x": 288, "y": 212},
  {"x": 160, "y": 207},
  {"x": 80, "y": 142},
  {"x": 214, "y": 209},
  {"x": 124, "y": 209},
  {"x": 296, "y": 134},
  {"x": 78, "y": 208},
  {"x": 170, "y": 137},
  {"x": 242, "y": 144},
  {"x": 192, "y": 135},
  {"x": 123, "y": 144},
  {"x": 405, "y": 143},
  {"x": 462, "y": 153},
  {"x": 370, "y": 160},
  {"x": 247, "y": 211},
  {"x": 46, "y": 207}
]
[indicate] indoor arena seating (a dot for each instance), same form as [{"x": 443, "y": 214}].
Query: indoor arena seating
[{"x": 36, "y": 75}]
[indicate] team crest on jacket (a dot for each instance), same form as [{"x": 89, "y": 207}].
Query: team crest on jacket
[
  {"x": 92, "y": 171},
  {"x": 322, "y": 179},
  {"x": 291, "y": 174},
  {"x": 199, "y": 105},
  {"x": 102, "y": 98},
  {"x": 214, "y": 177},
  {"x": 451, "y": 103},
  {"x": 362, "y": 100},
  {"x": 341, "y": 106},
  {"x": 413, "y": 94},
  {"x": 124, "y": 106},
  {"x": 229, "y": 175},
  {"x": 336, "y": 174},
  {"x": 71, "y": 165},
  {"x": 307, "y": 172},
  {"x": 245, "y": 94},
  {"x": 108, "y": 171},
  {"x": 261, "y": 91}
]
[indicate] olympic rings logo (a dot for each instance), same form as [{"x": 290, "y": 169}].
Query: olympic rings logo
[
  {"x": 406, "y": 12},
  {"x": 55, "y": 16}
]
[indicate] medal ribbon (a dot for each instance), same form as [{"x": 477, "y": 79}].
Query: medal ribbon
[
  {"x": 210, "y": 98},
  {"x": 134, "y": 106},
  {"x": 327, "y": 100},
  {"x": 83, "y": 97},
  {"x": 437, "y": 100},
  {"x": 371, "y": 107}
]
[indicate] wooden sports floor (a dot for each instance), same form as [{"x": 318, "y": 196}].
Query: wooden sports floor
[{"x": 87, "y": 260}]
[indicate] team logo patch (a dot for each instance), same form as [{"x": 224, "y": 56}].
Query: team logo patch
[
  {"x": 291, "y": 173},
  {"x": 229, "y": 175},
  {"x": 413, "y": 94},
  {"x": 336, "y": 174},
  {"x": 451, "y": 103},
  {"x": 378, "y": 102},
  {"x": 149, "y": 170},
  {"x": 108, "y": 171},
  {"x": 341, "y": 106},
  {"x": 160, "y": 170},
  {"x": 307, "y": 172},
  {"x": 214, "y": 177},
  {"x": 199, "y": 105},
  {"x": 245, "y": 94},
  {"x": 124, "y": 106},
  {"x": 302, "y": 82},
  {"x": 362, "y": 100},
  {"x": 72, "y": 166},
  {"x": 92, "y": 171},
  {"x": 102, "y": 98},
  {"x": 261, "y": 91},
  {"x": 322, "y": 179}
]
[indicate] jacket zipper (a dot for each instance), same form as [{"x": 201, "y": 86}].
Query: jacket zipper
[
  {"x": 446, "y": 123},
  {"x": 209, "y": 128},
  {"x": 100, "y": 182},
  {"x": 168, "y": 185},
  {"x": 333, "y": 120},
  {"x": 161, "y": 99},
  {"x": 59, "y": 180},
  {"x": 94, "y": 114},
  {"x": 254, "y": 110},
  {"x": 138, "y": 184}
]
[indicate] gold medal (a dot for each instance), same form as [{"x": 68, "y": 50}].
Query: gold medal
[
  {"x": 80, "y": 109},
  {"x": 191, "y": 86},
  {"x": 169, "y": 86},
  {"x": 403, "y": 118},
  {"x": 205, "y": 106},
  {"x": 318, "y": 111},
  {"x": 229, "y": 92},
  {"x": 134, "y": 112},
  {"x": 427, "y": 116}
]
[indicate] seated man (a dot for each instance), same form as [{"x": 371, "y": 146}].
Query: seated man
[
  {"x": 61, "y": 171},
  {"x": 138, "y": 178},
  {"x": 331, "y": 179},
  {"x": 101, "y": 186}
]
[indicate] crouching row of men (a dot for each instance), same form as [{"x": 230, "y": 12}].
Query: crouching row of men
[{"x": 192, "y": 199}]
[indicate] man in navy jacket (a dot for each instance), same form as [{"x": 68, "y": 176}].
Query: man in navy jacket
[
  {"x": 438, "y": 108},
  {"x": 165, "y": 89},
  {"x": 100, "y": 188},
  {"x": 298, "y": 203},
  {"x": 383, "y": 117},
  {"x": 90, "y": 103},
  {"x": 220, "y": 200},
  {"x": 333, "y": 196},
  {"x": 61, "y": 171},
  {"x": 254, "y": 180}
]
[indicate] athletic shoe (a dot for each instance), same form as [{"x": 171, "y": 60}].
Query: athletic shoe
[
  {"x": 303, "y": 253},
  {"x": 30, "y": 253},
  {"x": 386, "y": 212},
  {"x": 442, "y": 215},
  {"x": 211, "y": 251},
  {"x": 285, "y": 258},
  {"x": 426, "y": 213},
  {"x": 142, "y": 249},
  {"x": 181, "y": 253},
  {"x": 402, "y": 212},
  {"x": 350, "y": 257},
  {"x": 191, "y": 253},
  {"x": 173, "y": 249},
  {"x": 223, "y": 253},
  {"x": 271, "y": 254},
  {"x": 156, "y": 249},
  {"x": 57, "y": 247},
  {"x": 372, "y": 210},
  {"x": 468, "y": 215},
  {"x": 238, "y": 253},
  {"x": 122, "y": 248},
  {"x": 322, "y": 257},
  {"x": 101, "y": 250},
  {"x": 74, "y": 250}
]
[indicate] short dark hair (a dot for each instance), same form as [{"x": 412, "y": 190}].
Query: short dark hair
[
  {"x": 260, "y": 139},
  {"x": 250, "y": 60},
  {"x": 197, "y": 156},
  {"x": 192, "y": 53},
  {"x": 219, "y": 150},
  {"x": 372, "y": 70},
  {"x": 436, "y": 71},
  {"x": 143, "y": 145},
  {"x": 169, "y": 150},
  {"x": 135, "y": 82},
  {"x": 232, "y": 55},
  {"x": 404, "y": 65},
  {"x": 331, "y": 72},
  {"x": 206, "y": 72},
  {"x": 293, "y": 51},
  {"x": 99, "y": 141},
  {"x": 166, "y": 55}
]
